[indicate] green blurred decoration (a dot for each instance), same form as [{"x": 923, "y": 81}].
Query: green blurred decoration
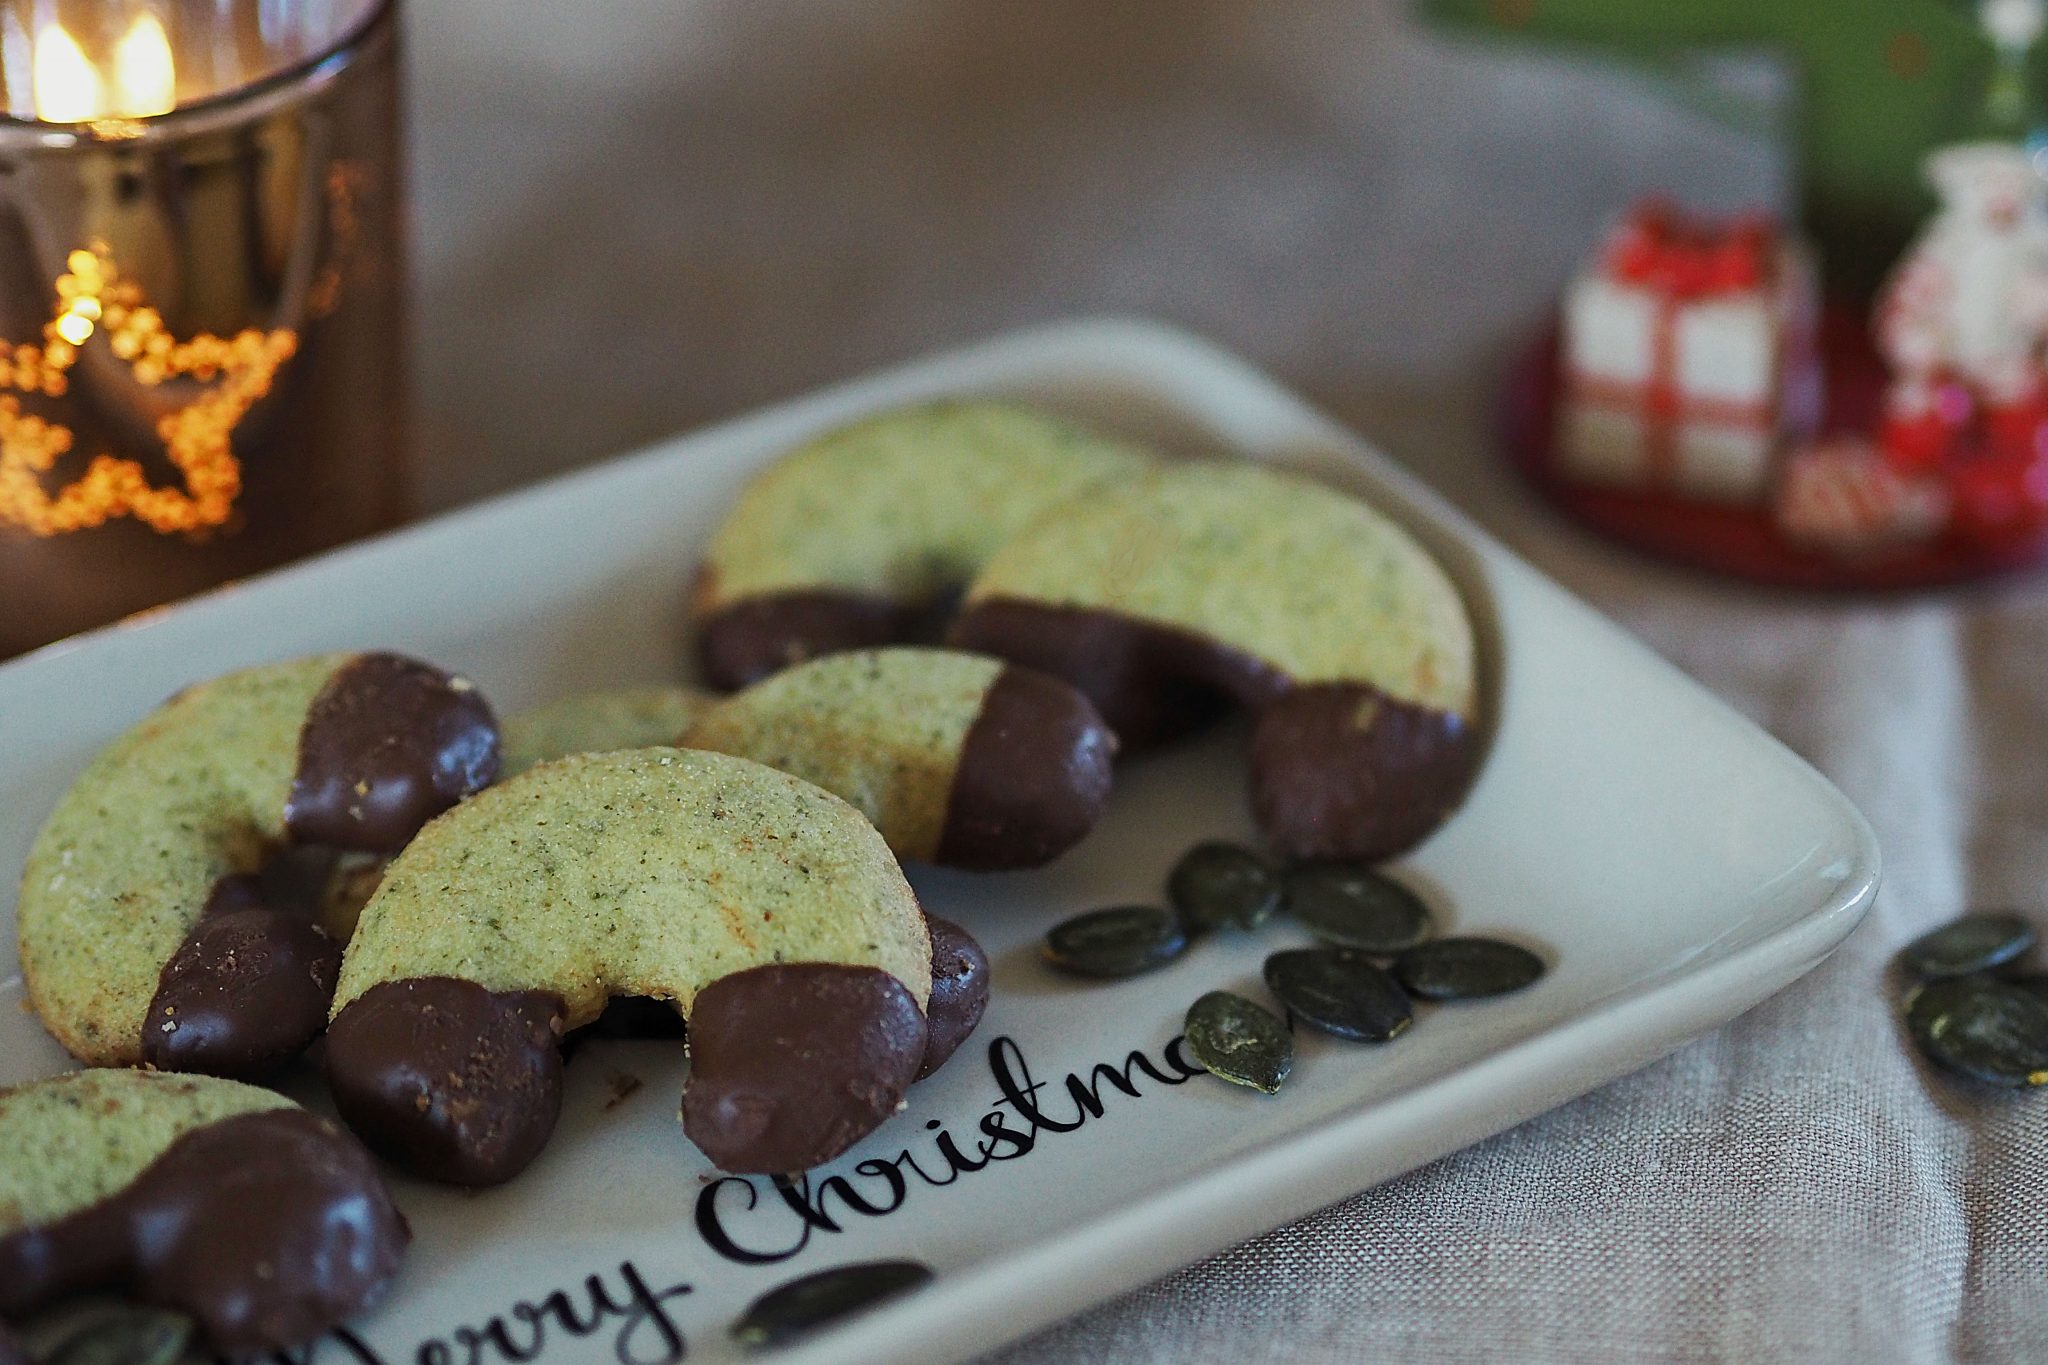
[{"x": 1880, "y": 83}]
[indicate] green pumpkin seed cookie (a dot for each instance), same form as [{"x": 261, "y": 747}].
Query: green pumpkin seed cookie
[
  {"x": 267, "y": 1224},
  {"x": 1165, "y": 596},
  {"x": 143, "y": 930},
  {"x": 765, "y": 909},
  {"x": 859, "y": 538}
]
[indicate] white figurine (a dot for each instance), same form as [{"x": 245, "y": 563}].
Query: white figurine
[{"x": 1969, "y": 301}]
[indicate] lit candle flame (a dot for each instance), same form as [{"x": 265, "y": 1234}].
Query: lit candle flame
[
  {"x": 67, "y": 85},
  {"x": 70, "y": 88},
  {"x": 144, "y": 73}
]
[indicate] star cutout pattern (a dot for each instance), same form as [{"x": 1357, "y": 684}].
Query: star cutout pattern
[{"x": 93, "y": 298}]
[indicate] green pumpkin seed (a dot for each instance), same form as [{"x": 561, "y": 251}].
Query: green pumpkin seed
[
  {"x": 1925, "y": 1003},
  {"x": 1352, "y": 906},
  {"x": 1466, "y": 968},
  {"x": 1974, "y": 943},
  {"x": 1243, "y": 1043},
  {"x": 126, "y": 1336},
  {"x": 1340, "y": 992},
  {"x": 800, "y": 1306},
  {"x": 1989, "y": 1030},
  {"x": 2033, "y": 983},
  {"x": 1217, "y": 884},
  {"x": 1122, "y": 941}
]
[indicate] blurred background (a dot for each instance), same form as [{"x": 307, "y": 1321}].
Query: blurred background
[{"x": 638, "y": 217}]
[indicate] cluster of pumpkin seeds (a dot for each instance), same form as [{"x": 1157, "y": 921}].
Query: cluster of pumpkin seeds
[
  {"x": 803, "y": 1305},
  {"x": 1378, "y": 954},
  {"x": 1974, "y": 1009}
]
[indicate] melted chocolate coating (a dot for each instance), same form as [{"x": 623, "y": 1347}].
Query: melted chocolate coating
[
  {"x": 1151, "y": 683},
  {"x": 268, "y": 1228},
  {"x": 388, "y": 744},
  {"x": 244, "y": 994},
  {"x": 757, "y": 636},
  {"x": 960, "y": 988},
  {"x": 793, "y": 1063},
  {"x": 1344, "y": 771},
  {"x": 1338, "y": 770},
  {"x": 1033, "y": 776},
  {"x": 447, "y": 1079}
]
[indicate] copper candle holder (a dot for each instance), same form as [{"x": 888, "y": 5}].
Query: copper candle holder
[{"x": 202, "y": 341}]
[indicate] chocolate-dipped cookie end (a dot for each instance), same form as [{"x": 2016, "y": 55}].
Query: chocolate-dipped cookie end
[
  {"x": 1033, "y": 776},
  {"x": 1343, "y": 771},
  {"x": 269, "y": 1228},
  {"x": 244, "y": 994},
  {"x": 388, "y": 744},
  {"x": 447, "y": 1079},
  {"x": 960, "y": 990},
  {"x": 791, "y": 1064}
]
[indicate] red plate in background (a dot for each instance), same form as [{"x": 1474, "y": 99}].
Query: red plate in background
[{"x": 1744, "y": 542}]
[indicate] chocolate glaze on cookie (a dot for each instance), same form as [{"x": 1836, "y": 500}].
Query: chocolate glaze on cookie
[
  {"x": 1337, "y": 770},
  {"x": 960, "y": 987},
  {"x": 1345, "y": 771},
  {"x": 1033, "y": 776},
  {"x": 448, "y": 1079},
  {"x": 793, "y": 1063},
  {"x": 269, "y": 1228},
  {"x": 757, "y": 636},
  {"x": 388, "y": 744},
  {"x": 245, "y": 992},
  {"x": 1151, "y": 682}
]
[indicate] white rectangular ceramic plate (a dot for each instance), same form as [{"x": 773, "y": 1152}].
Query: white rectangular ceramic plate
[{"x": 1674, "y": 864}]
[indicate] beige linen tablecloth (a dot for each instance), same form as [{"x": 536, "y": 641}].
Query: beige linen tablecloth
[{"x": 639, "y": 216}]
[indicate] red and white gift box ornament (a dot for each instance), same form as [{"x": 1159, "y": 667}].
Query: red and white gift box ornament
[{"x": 1689, "y": 356}]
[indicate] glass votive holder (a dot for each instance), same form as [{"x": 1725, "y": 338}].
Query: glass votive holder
[{"x": 202, "y": 333}]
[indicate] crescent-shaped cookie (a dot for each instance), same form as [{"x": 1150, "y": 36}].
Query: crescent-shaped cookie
[
  {"x": 765, "y": 909},
  {"x": 863, "y": 536},
  {"x": 267, "y": 1224},
  {"x": 1201, "y": 584},
  {"x": 143, "y": 931}
]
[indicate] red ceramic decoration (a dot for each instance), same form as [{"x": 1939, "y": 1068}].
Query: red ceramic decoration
[{"x": 1709, "y": 418}]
